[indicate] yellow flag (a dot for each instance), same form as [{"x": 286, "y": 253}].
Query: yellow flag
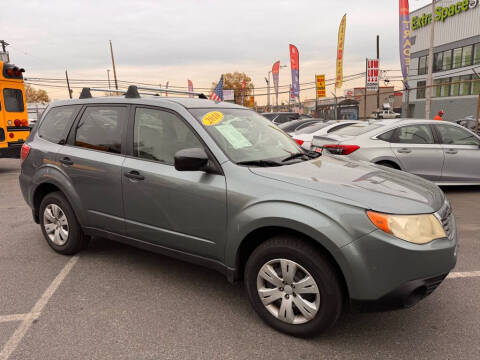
[{"x": 340, "y": 46}]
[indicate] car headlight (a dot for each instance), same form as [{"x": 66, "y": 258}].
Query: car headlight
[{"x": 418, "y": 229}]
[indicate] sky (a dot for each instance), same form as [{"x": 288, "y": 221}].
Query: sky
[{"x": 158, "y": 41}]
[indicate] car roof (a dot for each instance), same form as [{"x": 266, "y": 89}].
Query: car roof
[{"x": 189, "y": 103}]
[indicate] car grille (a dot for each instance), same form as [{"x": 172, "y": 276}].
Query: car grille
[{"x": 447, "y": 219}]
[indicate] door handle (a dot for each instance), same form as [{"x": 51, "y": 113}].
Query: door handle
[
  {"x": 66, "y": 161},
  {"x": 451, "y": 151},
  {"x": 134, "y": 175},
  {"x": 404, "y": 151}
]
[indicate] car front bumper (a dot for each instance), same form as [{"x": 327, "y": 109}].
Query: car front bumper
[{"x": 386, "y": 273}]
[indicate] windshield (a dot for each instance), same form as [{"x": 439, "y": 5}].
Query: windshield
[
  {"x": 244, "y": 135},
  {"x": 357, "y": 129}
]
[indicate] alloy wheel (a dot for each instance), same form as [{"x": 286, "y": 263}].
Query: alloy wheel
[
  {"x": 288, "y": 291},
  {"x": 55, "y": 224}
]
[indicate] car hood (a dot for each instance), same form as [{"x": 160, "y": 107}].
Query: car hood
[{"x": 361, "y": 184}]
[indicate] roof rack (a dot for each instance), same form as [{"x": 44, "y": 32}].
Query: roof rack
[{"x": 132, "y": 92}]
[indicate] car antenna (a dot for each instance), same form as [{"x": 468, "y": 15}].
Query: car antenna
[{"x": 85, "y": 94}]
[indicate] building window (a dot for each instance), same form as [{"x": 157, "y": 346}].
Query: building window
[
  {"x": 466, "y": 86},
  {"x": 438, "y": 62},
  {"x": 445, "y": 87},
  {"x": 457, "y": 58},
  {"x": 437, "y": 89},
  {"x": 467, "y": 55},
  {"x": 455, "y": 88},
  {"x": 476, "y": 87},
  {"x": 421, "y": 89},
  {"x": 422, "y": 65},
  {"x": 447, "y": 60},
  {"x": 476, "y": 56}
]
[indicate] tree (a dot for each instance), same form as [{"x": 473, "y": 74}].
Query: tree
[
  {"x": 234, "y": 82},
  {"x": 36, "y": 95}
]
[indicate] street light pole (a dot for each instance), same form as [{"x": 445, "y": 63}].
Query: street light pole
[
  {"x": 267, "y": 80},
  {"x": 428, "y": 95}
]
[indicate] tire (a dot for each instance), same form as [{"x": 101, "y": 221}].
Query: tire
[
  {"x": 328, "y": 303},
  {"x": 54, "y": 211}
]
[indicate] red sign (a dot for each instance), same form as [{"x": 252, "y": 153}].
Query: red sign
[{"x": 372, "y": 74}]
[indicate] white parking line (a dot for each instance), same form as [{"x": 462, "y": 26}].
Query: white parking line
[
  {"x": 466, "y": 274},
  {"x": 28, "y": 319},
  {"x": 14, "y": 317}
]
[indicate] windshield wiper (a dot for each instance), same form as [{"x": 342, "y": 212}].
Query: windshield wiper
[
  {"x": 295, "y": 156},
  {"x": 262, "y": 163}
]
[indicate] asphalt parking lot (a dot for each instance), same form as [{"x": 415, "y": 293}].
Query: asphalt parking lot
[{"x": 117, "y": 302}]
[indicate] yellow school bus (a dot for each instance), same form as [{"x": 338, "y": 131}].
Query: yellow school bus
[{"x": 14, "y": 128}]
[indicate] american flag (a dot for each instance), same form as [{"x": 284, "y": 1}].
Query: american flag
[{"x": 217, "y": 94}]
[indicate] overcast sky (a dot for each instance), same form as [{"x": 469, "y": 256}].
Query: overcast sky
[{"x": 155, "y": 41}]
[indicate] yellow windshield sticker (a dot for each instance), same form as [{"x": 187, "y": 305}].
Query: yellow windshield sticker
[{"x": 212, "y": 118}]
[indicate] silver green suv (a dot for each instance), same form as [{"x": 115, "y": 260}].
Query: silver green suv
[{"x": 221, "y": 186}]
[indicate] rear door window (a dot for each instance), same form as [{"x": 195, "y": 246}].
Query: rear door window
[
  {"x": 101, "y": 128},
  {"x": 54, "y": 125},
  {"x": 414, "y": 134},
  {"x": 13, "y": 99}
]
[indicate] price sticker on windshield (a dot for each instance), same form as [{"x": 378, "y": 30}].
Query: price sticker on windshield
[{"x": 212, "y": 118}]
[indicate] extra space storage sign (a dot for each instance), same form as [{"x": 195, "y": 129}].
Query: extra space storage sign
[{"x": 372, "y": 75}]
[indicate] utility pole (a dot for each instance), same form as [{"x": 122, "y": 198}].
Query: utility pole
[
  {"x": 378, "y": 58},
  {"x": 68, "y": 85},
  {"x": 267, "y": 80},
  {"x": 365, "y": 92},
  {"x": 478, "y": 106},
  {"x": 428, "y": 95},
  {"x": 113, "y": 65},
  {"x": 108, "y": 77}
]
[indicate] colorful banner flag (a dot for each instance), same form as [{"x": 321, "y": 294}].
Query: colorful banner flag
[
  {"x": 190, "y": 87},
  {"x": 340, "y": 47},
  {"x": 276, "y": 74},
  {"x": 294, "y": 64},
  {"x": 320, "y": 85},
  {"x": 405, "y": 43}
]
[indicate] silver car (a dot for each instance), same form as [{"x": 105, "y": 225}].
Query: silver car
[{"x": 443, "y": 152}]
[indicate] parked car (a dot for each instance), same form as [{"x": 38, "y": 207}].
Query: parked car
[
  {"x": 295, "y": 125},
  {"x": 217, "y": 185},
  {"x": 468, "y": 122},
  {"x": 281, "y": 117},
  {"x": 304, "y": 136},
  {"x": 386, "y": 114},
  {"x": 440, "y": 151}
]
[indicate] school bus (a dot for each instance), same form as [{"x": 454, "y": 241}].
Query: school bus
[{"x": 14, "y": 128}]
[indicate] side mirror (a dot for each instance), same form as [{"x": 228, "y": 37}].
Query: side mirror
[{"x": 193, "y": 159}]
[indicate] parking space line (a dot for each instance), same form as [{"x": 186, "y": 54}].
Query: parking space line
[
  {"x": 27, "y": 322},
  {"x": 465, "y": 274},
  {"x": 14, "y": 317}
]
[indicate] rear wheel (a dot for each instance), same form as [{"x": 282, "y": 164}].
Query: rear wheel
[
  {"x": 60, "y": 226},
  {"x": 293, "y": 287},
  {"x": 388, "y": 164}
]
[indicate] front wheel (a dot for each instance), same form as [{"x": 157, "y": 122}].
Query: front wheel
[{"x": 293, "y": 287}]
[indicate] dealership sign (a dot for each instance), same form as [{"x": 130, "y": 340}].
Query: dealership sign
[
  {"x": 228, "y": 95},
  {"x": 442, "y": 13},
  {"x": 372, "y": 75}
]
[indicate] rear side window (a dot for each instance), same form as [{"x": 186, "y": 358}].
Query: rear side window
[
  {"x": 13, "y": 99},
  {"x": 310, "y": 129},
  {"x": 386, "y": 136},
  {"x": 356, "y": 129},
  {"x": 55, "y": 122},
  {"x": 100, "y": 128}
]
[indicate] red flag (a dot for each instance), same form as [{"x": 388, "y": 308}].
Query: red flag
[{"x": 190, "y": 87}]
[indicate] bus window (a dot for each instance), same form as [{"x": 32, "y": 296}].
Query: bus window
[{"x": 13, "y": 99}]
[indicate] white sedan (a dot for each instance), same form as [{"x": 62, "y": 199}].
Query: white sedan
[{"x": 304, "y": 136}]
